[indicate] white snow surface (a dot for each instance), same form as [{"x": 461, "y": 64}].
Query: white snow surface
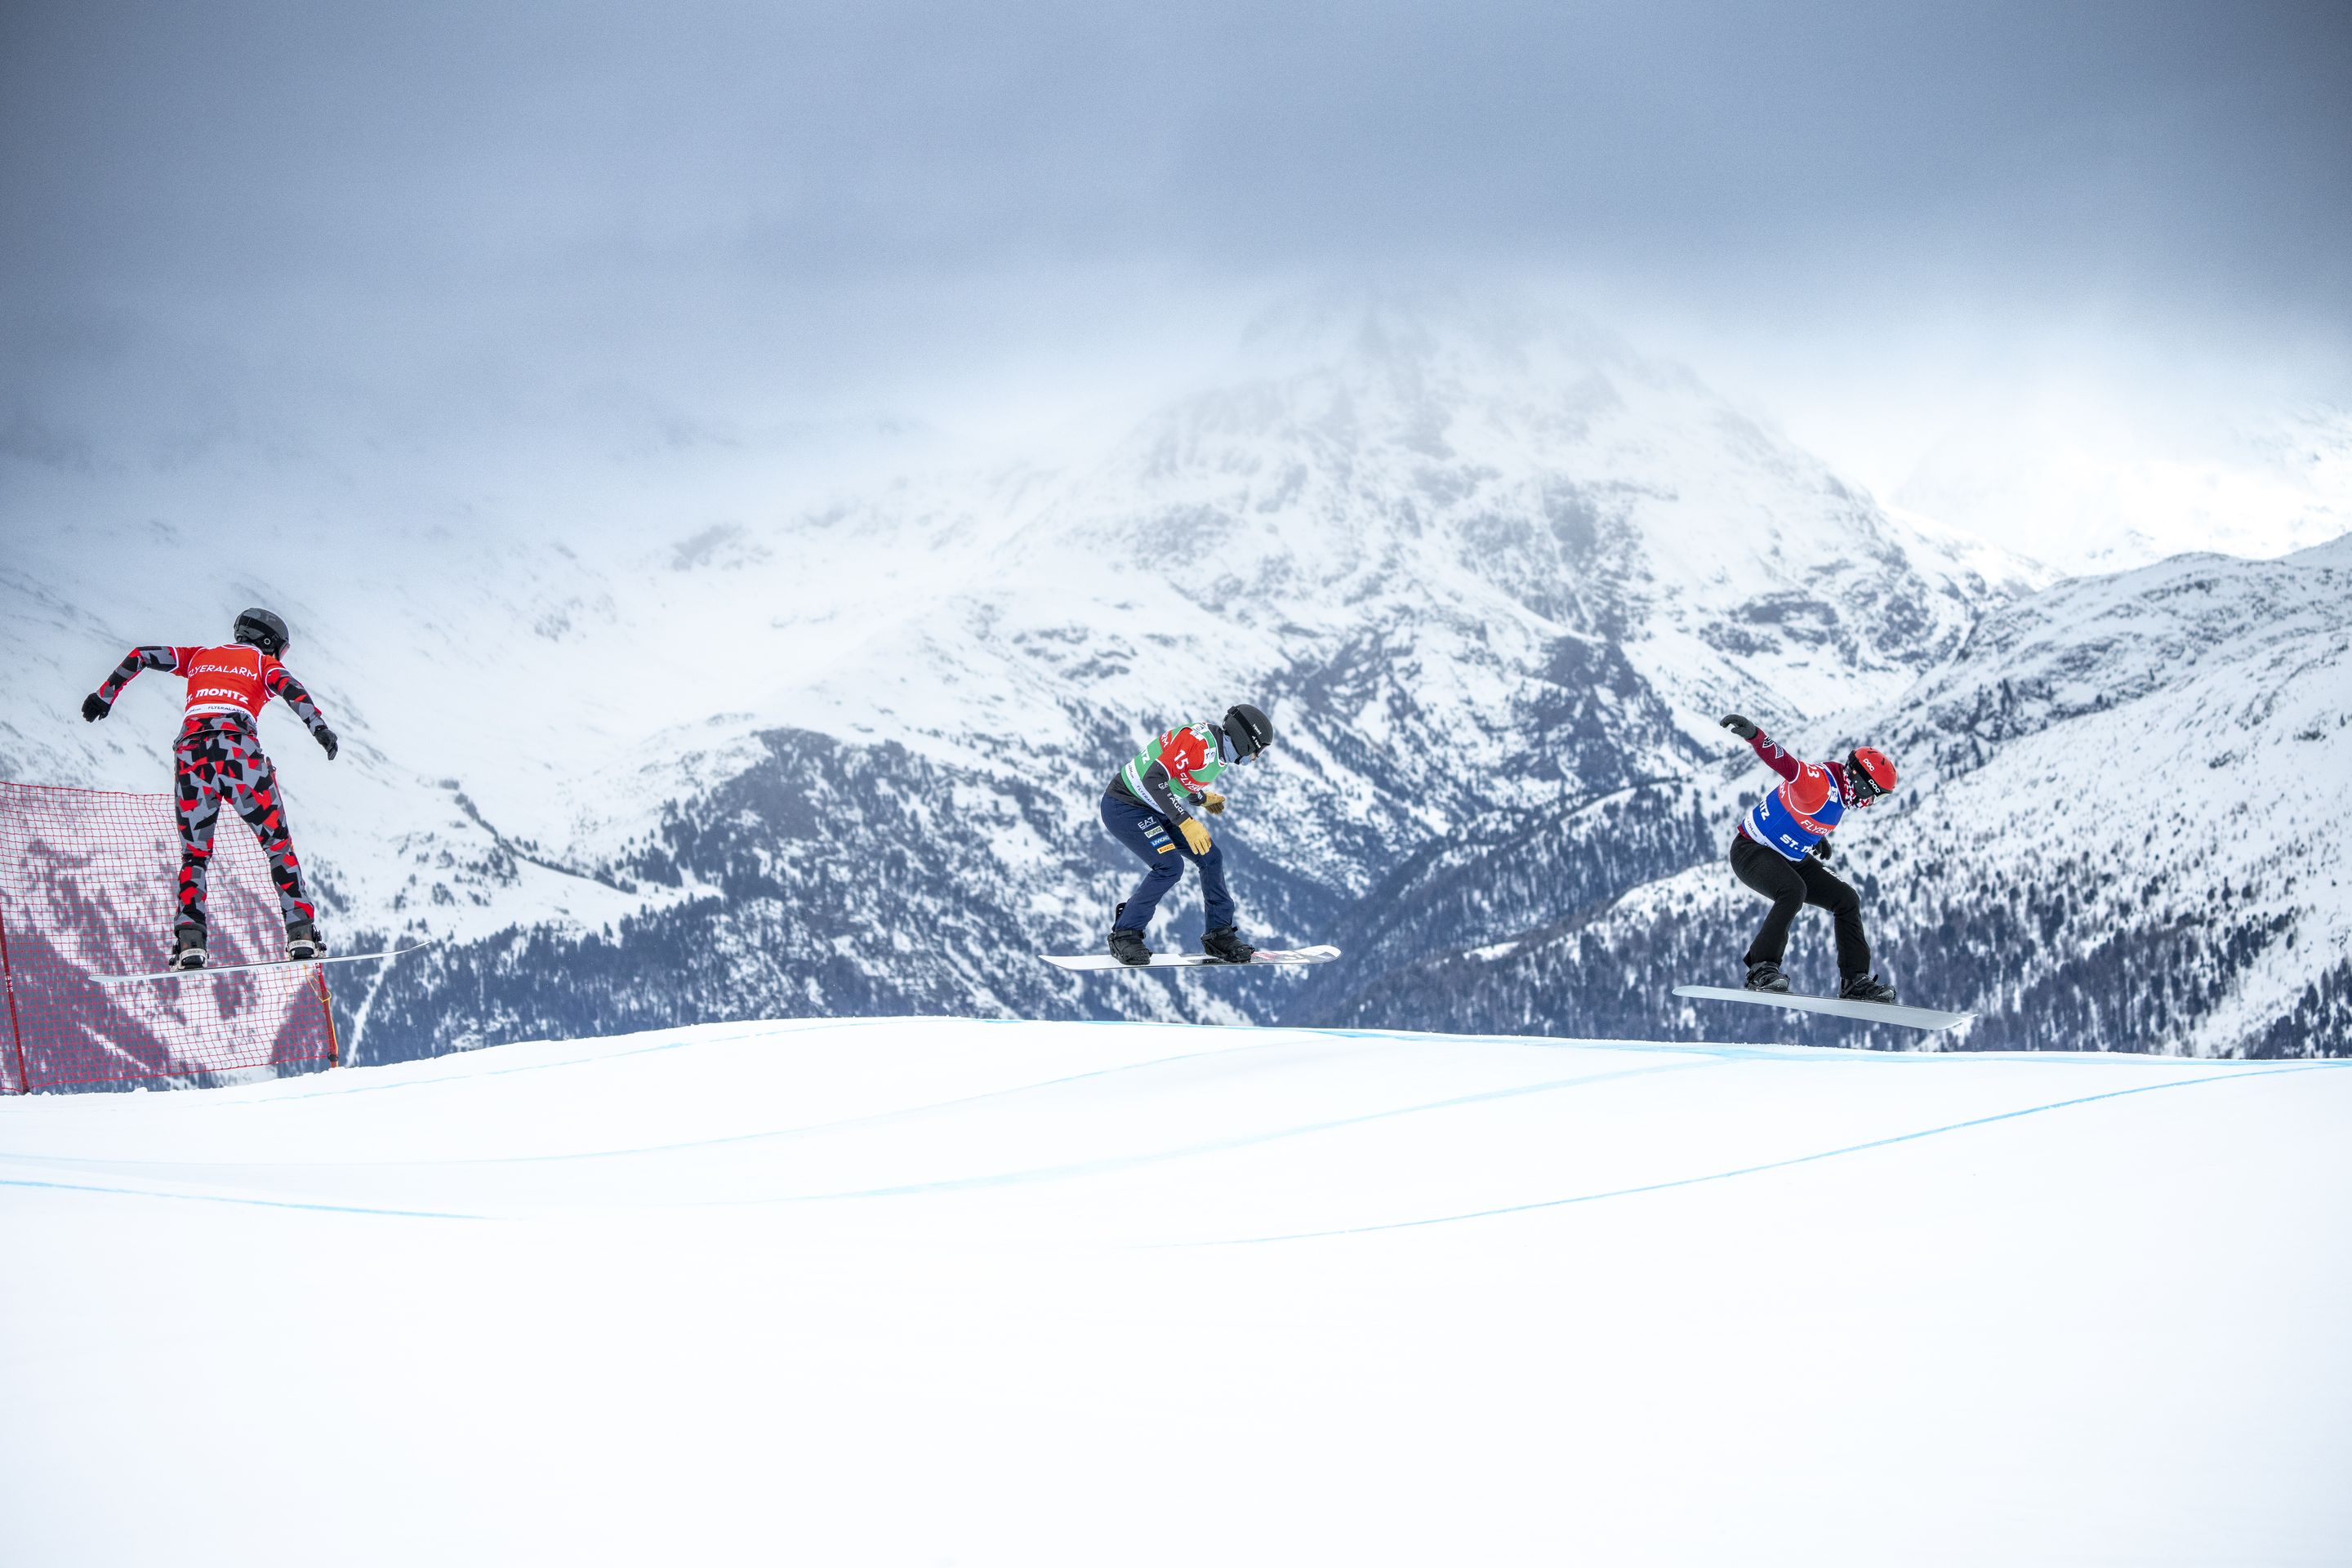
[{"x": 930, "y": 1290}]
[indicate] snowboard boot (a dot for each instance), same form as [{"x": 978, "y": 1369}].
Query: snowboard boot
[
  {"x": 187, "y": 948},
  {"x": 301, "y": 941},
  {"x": 1864, "y": 988},
  {"x": 1127, "y": 946},
  {"x": 1225, "y": 947},
  {"x": 1767, "y": 977}
]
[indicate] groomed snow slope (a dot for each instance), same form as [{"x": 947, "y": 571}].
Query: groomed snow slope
[{"x": 929, "y": 1292}]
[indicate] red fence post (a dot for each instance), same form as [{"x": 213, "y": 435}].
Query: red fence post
[
  {"x": 15, "y": 1035},
  {"x": 326, "y": 1005}
]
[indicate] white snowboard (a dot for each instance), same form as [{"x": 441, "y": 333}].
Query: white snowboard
[
  {"x": 265, "y": 963},
  {"x": 1927, "y": 1018},
  {"x": 1191, "y": 960}
]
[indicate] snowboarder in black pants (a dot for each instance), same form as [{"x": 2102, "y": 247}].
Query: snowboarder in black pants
[
  {"x": 1780, "y": 850},
  {"x": 1142, "y": 810}
]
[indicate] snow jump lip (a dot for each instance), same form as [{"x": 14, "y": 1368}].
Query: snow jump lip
[{"x": 1927, "y": 1018}]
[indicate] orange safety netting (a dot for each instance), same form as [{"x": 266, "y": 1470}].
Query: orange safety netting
[{"x": 87, "y": 882}]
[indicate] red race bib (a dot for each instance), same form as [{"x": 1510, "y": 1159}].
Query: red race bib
[{"x": 227, "y": 680}]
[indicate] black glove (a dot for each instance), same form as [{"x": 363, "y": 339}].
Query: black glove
[
  {"x": 94, "y": 708},
  {"x": 326, "y": 738},
  {"x": 1740, "y": 727},
  {"x": 1820, "y": 849}
]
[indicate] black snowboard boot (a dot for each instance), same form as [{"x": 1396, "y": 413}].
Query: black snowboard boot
[
  {"x": 1224, "y": 945},
  {"x": 188, "y": 948},
  {"x": 1767, "y": 977},
  {"x": 301, "y": 941},
  {"x": 1127, "y": 946},
  {"x": 1864, "y": 988}
]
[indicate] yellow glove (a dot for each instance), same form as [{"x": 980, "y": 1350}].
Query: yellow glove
[
  {"x": 1213, "y": 803},
  {"x": 1196, "y": 837}
]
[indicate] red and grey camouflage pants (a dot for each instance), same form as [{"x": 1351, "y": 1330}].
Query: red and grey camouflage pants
[{"x": 218, "y": 759}]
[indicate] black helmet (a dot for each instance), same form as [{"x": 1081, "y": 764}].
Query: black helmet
[
  {"x": 1249, "y": 729},
  {"x": 264, "y": 631}
]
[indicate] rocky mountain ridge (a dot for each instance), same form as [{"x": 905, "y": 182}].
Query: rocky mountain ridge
[{"x": 1495, "y": 586}]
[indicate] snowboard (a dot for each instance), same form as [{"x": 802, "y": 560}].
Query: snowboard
[
  {"x": 111, "y": 980},
  {"x": 1927, "y": 1018},
  {"x": 1084, "y": 961}
]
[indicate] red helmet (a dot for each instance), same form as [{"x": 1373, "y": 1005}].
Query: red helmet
[{"x": 1867, "y": 769}]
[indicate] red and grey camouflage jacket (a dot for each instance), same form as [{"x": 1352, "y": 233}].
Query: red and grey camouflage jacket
[{"x": 230, "y": 683}]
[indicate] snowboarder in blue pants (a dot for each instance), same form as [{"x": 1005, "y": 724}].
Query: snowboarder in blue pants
[{"x": 1141, "y": 809}]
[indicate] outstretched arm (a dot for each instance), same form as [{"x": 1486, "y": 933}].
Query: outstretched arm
[
  {"x": 99, "y": 703},
  {"x": 1767, "y": 751},
  {"x": 281, "y": 683}
]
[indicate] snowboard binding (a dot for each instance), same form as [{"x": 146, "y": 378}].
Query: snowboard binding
[
  {"x": 1866, "y": 988},
  {"x": 1225, "y": 946},
  {"x": 1127, "y": 946}
]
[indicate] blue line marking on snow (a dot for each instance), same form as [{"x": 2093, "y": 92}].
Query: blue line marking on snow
[
  {"x": 1006, "y": 1178},
  {"x": 872, "y": 1117},
  {"x": 1212, "y": 1146},
  {"x": 1769, "y": 1165},
  {"x": 720, "y": 1142},
  {"x": 332, "y": 1086},
  {"x": 247, "y": 1203},
  {"x": 1689, "y": 1056}
]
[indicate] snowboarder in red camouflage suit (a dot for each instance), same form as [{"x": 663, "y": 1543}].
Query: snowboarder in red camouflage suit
[{"x": 218, "y": 757}]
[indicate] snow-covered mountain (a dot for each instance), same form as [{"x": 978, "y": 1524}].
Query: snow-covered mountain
[
  {"x": 2123, "y": 825},
  {"x": 679, "y": 759},
  {"x": 1470, "y": 580}
]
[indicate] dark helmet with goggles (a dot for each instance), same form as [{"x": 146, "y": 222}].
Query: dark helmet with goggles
[
  {"x": 264, "y": 631},
  {"x": 1246, "y": 730}
]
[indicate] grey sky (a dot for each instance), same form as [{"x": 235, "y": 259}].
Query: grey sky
[{"x": 490, "y": 213}]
